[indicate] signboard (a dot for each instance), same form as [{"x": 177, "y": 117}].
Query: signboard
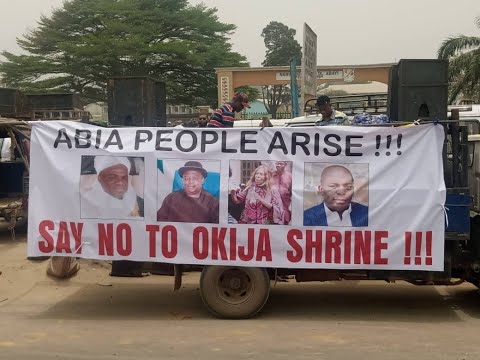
[
  {"x": 309, "y": 64},
  {"x": 285, "y": 75},
  {"x": 347, "y": 75},
  {"x": 330, "y": 74},
  {"x": 340, "y": 197}
]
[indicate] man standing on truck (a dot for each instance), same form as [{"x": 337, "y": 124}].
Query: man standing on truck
[
  {"x": 330, "y": 116},
  {"x": 202, "y": 121},
  {"x": 225, "y": 116}
]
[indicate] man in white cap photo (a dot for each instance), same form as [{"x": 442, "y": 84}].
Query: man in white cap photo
[{"x": 111, "y": 196}]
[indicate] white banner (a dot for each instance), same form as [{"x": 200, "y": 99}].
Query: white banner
[{"x": 317, "y": 197}]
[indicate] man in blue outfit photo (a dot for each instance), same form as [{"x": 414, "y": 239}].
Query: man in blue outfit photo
[{"x": 337, "y": 208}]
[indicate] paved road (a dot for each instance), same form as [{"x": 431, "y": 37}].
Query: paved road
[{"x": 94, "y": 316}]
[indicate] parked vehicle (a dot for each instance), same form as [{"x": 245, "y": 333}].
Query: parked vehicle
[
  {"x": 248, "y": 288},
  {"x": 14, "y": 171},
  {"x": 241, "y": 292}
]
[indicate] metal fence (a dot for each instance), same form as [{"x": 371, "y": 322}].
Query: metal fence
[
  {"x": 259, "y": 116},
  {"x": 354, "y": 104},
  {"x": 349, "y": 104}
]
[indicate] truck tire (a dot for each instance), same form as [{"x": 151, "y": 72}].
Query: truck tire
[{"x": 232, "y": 292}]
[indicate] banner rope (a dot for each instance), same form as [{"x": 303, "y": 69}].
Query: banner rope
[{"x": 445, "y": 209}]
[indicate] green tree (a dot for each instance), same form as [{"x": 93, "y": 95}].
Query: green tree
[
  {"x": 463, "y": 53},
  {"x": 281, "y": 47},
  {"x": 252, "y": 92},
  {"x": 85, "y": 42}
]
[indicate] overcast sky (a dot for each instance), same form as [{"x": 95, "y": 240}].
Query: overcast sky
[{"x": 349, "y": 31}]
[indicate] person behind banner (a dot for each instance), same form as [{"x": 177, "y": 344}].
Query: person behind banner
[
  {"x": 192, "y": 203},
  {"x": 263, "y": 204},
  {"x": 337, "y": 209},
  {"x": 225, "y": 116},
  {"x": 111, "y": 196},
  {"x": 330, "y": 116},
  {"x": 202, "y": 121},
  {"x": 265, "y": 122}
]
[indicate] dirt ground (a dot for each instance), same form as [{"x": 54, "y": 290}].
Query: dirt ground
[{"x": 94, "y": 316}]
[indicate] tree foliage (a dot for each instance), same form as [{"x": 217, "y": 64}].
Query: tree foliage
[
  {"x": 281, "y": 47},
  {"x": 252, "y": 92},
  {"x": 85, "y": 42},
  {"x": 463, "y": 53},
  {"x": 274, "y": 96}
]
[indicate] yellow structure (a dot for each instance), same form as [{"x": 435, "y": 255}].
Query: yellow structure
[{"x": 231, "y": 78}]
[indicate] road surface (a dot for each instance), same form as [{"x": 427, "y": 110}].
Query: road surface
[{"x": 95, "y": 316}]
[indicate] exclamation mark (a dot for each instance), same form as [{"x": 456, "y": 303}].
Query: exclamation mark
[
  {"x": 408, "y": 247},
  {"x": 379, "y": 141},
  {"x": 389, "y": 142},
  {"x": 418, "y": 248},
  {"x": 428, "y": 251},
  {"x": 399, "y": 144}
]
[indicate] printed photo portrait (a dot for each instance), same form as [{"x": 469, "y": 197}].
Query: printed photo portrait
[
  {"x": 260, "y": 192},
  {"x": 112, "y": 187},
  {"x": 188, "y": 191},
  {"x": 335, "y": 195}
]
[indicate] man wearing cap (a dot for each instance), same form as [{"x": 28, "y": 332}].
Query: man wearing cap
[
  {"x": 225, "y": 116},
  {"x": 330, "y": 116},
  {"x": 111, "y": 196},
  {"x": 192, "y": 203}
]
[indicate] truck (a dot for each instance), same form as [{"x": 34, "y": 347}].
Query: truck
[
  {"x": 14, "y": 175},
  {"x": 238, "y": 292},
  {"x": 235, "y": 292}
]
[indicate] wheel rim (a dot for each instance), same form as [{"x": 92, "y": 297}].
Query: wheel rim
[{"x": 235, "y": 286}]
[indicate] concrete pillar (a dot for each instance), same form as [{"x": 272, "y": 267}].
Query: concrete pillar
[{"x": 225, "y": 86}]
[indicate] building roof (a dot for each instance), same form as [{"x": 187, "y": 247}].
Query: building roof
[
  {"x": 319, "y": 67},
  {"x": 257, "y": 107},
  {"x": 356, "y": 88}
]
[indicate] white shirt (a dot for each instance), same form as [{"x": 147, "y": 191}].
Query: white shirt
[
  {"x": 5, "y": 154},
  {"x": 333, "y": 217},
  {"x": 97, "y": 204}
]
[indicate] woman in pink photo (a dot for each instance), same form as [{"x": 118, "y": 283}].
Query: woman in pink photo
[{"x": 263, "y": 204}]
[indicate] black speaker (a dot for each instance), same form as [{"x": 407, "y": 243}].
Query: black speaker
[
  {"x": 161, "y": 104},
  {"x": 14, "y": 103},
  {"x": 136, "y": 101},
  {"x": 392, "y": 99},
  {"x": 60, "y": 101},
  {"x": 418, "y": 89}
]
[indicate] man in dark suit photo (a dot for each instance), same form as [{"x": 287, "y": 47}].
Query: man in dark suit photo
[{"x": 337, "y": 209}]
